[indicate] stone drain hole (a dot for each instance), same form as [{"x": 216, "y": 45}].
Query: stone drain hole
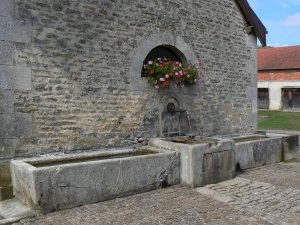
[{"x": 238, "y": 169}]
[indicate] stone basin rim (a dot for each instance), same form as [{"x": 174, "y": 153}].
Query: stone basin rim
[
  {"x": 78, "y": 156},
  {"x": 264, "y": 139}
]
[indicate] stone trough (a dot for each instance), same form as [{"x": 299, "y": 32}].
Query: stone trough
[
  {"x": 264, "y": 149},
  {"x": 202, "y": 160},
  {"x": 63, "y": 182}
]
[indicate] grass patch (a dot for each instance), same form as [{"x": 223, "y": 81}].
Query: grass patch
[{"x": 277, "y": 120}]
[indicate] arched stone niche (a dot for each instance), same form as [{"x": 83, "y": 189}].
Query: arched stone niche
[{"x": 168, "y": 40}]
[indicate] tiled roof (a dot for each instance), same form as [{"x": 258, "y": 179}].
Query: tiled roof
[
  {"x": 278, "y": 75},
  {"x": 282, "y": 58}
]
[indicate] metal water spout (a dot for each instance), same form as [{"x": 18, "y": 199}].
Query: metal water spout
[{"x": 171, "y": 108}]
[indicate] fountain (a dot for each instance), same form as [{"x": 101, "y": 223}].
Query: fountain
[{"x": 203, "y": 160}]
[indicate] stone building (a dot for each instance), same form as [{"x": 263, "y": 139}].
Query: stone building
[
  {"x": 70, "y": 71},
  {"x": 279, "y": 78}
]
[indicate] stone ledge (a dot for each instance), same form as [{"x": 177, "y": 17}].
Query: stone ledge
[{"x": 9, "y": 221}]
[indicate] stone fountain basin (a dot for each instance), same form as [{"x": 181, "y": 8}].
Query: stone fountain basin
[
  {"x": 259, "y": 150},
  {"x": 203, "y": 160},
  {"x": 68, "y": 181},
  {"x": 290, "y": 145}
]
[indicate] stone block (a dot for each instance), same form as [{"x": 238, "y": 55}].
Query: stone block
[
  {"x": 15, "y": 126},
  {"x": 6, "y": 78},
  {"x": 7, "y": 50},
  {"x": 6, "y": 101},
  {"x": 6, "y": 8},
  {"x": 15, "y": 78},
  {"x": 14, "y": 30},
  {"x": 290, "y": 145},
  {"x": 8, "y": 148}
]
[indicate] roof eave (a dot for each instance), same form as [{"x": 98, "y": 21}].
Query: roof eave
[{"x": 253, "y": 20}]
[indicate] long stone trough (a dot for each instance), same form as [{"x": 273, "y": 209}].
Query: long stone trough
[{"x": 63, "y": 182}]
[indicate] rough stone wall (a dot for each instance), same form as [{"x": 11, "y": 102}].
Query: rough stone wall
[{"x": 78, "y": 53}]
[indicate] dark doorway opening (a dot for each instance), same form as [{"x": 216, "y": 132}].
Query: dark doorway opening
[
  {"x": 290, "y": 98},
  {"x": 263, "y": 98}
]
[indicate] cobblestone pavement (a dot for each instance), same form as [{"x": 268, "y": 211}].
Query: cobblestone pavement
[
  {"x": 281, "y": 174},
  {"x": 261, "y": 196}
]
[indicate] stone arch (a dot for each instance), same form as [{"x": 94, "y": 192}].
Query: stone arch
[{"x": 175, "y": 43}]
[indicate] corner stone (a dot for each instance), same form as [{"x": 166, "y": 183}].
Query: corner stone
[
  {"x": 15, "y": 126},
  {"x": 7, "y": 50},
  {"x": 6, "y": 101},
  {"x": 15, "y": 78},
  {"x": 14, "y": 30},
  {"x": 8, "y": 148},
  {"x": 6, "y": 8}
]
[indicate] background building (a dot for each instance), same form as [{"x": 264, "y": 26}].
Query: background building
[{"x": 279, "y": 78}]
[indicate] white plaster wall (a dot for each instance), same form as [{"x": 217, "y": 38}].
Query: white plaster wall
[{"x": 275, "y": 91}]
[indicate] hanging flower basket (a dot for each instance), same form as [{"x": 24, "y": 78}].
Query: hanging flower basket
[{"x": 163, "y": 73}]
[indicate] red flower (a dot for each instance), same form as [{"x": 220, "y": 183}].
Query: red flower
[{"x": 166, "y": 83}]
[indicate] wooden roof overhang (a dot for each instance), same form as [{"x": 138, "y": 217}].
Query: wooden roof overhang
[{"x": 253, "y": 20}]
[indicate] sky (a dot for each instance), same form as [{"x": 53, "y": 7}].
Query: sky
[{"x": 282, "y": 20}]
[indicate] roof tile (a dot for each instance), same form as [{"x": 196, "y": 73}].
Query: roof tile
[{"x": 282, "y": 58}]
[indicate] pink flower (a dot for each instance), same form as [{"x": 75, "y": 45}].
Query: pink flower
[
  {"x": 180, "y": 72},
  {"x": 162, "y": 79},
  {"x": 176, "y": 74},
  {"x": 167, "y": 76},
  {"x": 150, "y": 62}
]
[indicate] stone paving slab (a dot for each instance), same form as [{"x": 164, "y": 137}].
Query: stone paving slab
[
  {"x": 260, "y": 196},
  {"x": 268, "y": 201},
  {"x": 280, "y": 174},
  {"x": 175, "y": 205},
  {"x": 13, "y": 208}
]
